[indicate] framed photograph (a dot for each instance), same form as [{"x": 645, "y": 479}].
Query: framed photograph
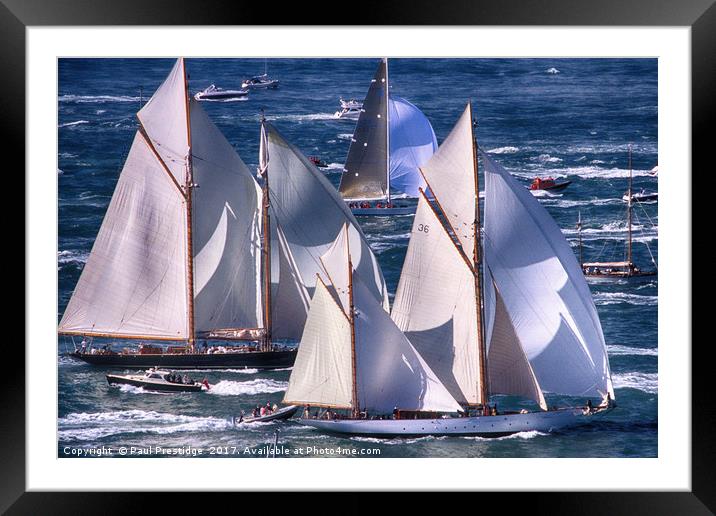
[{"x": 454, "y": 245}]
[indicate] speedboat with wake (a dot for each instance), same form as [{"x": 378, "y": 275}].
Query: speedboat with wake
[
  {"x": 548, "y": 183},
  {"x": 160, "y": 380},
  {"x": 350, "y": 109},
  {"x": 215, "y": 93},
  {"x": 641, "y": 196},
  {"x": 273, "y": 415}
]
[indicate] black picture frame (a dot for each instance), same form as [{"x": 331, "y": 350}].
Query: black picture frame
[{"x": 699, "y": 15}]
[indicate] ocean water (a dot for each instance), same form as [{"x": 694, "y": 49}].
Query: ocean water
[{"x": 575, "y": 124}]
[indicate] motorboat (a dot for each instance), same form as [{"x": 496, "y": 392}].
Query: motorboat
[
  {"x": 548, "y": 183},
  {"x": 350, "y": 109},
  {"x": 161, "y": 380},
  {"x": 380, "y": 208},
  {"x": 215, "y": 93},
  {"x": 641, "y": 196},
  {"x": 275, "y": 415},
  {"x": 317, "y": 161},
  {"x": 262, "y": 81}
]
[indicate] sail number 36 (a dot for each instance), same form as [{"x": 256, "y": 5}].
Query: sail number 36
[{"x": 423, "y": 228}]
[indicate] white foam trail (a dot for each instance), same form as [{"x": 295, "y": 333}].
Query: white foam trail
[
  {"x": 619, "y": 350},
  {"x": 546, "y": 158},
  {"x": 93, "y": 99},
  {"x": 504, "y": 150},
  {"x": 546, "y": 194},
  {"x": 258, "y": 386},
  {"x": 304, "y": 117},
  {"x": 345, "y": 136},
  {"x": 77, "y": 122},
  {"x": 552, "y": 71},
  {"x": 612, "y": 298},
  {"x": 531, "y": 434},
  {"x": 72, "y": 257},
  {"x": 646, "y": 382},
  {"x": 91, "y": 426}
]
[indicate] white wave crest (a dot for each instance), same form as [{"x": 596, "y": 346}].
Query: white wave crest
[
  {"x": 646, "y": 382},
  {"x": 619, "y": 350},
  {"x": 258, "y": 386},
  {"x": 612, "y": 298},
  {"x": 503, "y": 150},
  {"x": 94, "y": 99},
  {"x": 72, "y": 257},
  {"x": 76, "y": 122}
]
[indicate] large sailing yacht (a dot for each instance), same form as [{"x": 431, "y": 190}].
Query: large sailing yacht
[
  {"x": 184, "y": 251},
  {"x": 392, "y": 139},
  {"x": 504, "y": 311}
]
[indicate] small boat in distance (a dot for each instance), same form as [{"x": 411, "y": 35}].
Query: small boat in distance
[
  {"x": 262, "y": 81},
  {"x": 160, "y": 380},
  {"x": 548, "y": 183},
  {"x": 215, "y": 93},
  {"x": 350, "y": 109},
  {"x": 317, "y": 161},
  {"x": 641, "y": 196},
  {"x": 614, "y": 270}
]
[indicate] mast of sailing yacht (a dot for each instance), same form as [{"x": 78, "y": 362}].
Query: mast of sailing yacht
[
  {"x": 387, "y": 132},
  {"x": 477, "y": 259},
  {"x": 629, "y": 193},
  {"x": 355, "y": 411},
  {"x": 188, "y": 187},
  {"x": 266, "y": 237}
]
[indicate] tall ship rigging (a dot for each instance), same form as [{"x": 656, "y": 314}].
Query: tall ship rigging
[
  {"x": 504, "y": 311},
  {"x": 392, "y": 139},
  {"x": 184, "y": 253}
]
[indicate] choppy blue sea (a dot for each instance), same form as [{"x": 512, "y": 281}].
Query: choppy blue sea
[{"x": 567, "y": 118}]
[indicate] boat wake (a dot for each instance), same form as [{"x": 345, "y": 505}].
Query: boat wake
[
  {"x": 94, "y": 99},
  {"x": 302, "y": 118},
  {"x": 72, "y": 124},
  {"x": 613, "y": 298},
  {"x": 619, "y": 350},
  {"x": 531, "y": 434},
  {"x": 646, "y": 382},
  {"x": 504, "y": 150},
  {"x": 258, "y": 386},
  {"x": 73, "y": 257},
  {"x": 92, "y": 426}
]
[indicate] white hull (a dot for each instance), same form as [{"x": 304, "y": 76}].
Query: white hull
[{"x": 485, "y": 426}]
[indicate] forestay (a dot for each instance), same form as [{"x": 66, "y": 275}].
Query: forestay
[
  {"x": 412, "y": 142},
  {"x": 311, "y": 214},
  {"x": 543, "y": 289},
  {"x": 435, "y": 305}
]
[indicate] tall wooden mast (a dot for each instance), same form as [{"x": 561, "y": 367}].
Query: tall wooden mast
[
  {"x": 477, "y": 272},
  {"x": 188, "y": 187},
  {"x": 266, "y": 248},
  {"x": 629, "y": 213},
  {"x": 387, "y": 131},
  {"x": 351, "y": 317}
]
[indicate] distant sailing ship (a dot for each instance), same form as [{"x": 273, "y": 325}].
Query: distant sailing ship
[
  {"x": 392, "y": 139},
  {"x": 511, "y": 316},
  {"x": 605, "y": 271},
  {"x": 260, "y": 82},
  {"x": 183, "y": 253}
]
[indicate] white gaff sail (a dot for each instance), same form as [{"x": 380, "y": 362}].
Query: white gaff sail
[{"x": 543, "y": 289}]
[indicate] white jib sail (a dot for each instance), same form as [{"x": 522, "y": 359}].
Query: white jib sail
[
  {"x": 335, "y": 263},
  {"x": 543, "y": 289},
  {"x": 390, "y": 373},
  {"x": 164, "y": 117},
  {"x": 450, "y": 174},
  {"x": 226, "y": 232},
  {"x": 311, "y": 214},
  {"x": 290, "y": 300},
  {"x": 323, "y": 372},
  {"x": 135, "y": 280},
  {"x": 435, "y": 305}
]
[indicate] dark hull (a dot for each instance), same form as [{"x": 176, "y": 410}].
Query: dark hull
[
  {"x": 222, "y": 96},
  {"x": 606, "y": 276},
  {"x": 153, "y": 386},
  {"x": 252, "y": 360},
  {"x": 283, "y": 413}
]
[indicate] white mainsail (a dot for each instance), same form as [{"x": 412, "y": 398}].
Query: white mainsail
[
  {"x": 435, "y": 305},
  {"x": 311, "y": 214},
  {"x": 450, "y": 174},
  {"x": 543, "y": 289},
  {"x": 134, "y": 281}
]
